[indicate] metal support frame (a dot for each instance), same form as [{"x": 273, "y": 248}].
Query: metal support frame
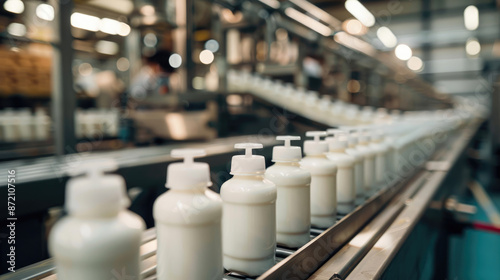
[{"x": 63, "y": 94}]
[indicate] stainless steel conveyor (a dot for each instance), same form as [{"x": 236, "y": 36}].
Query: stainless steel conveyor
[{"x": 361, "y": 245}]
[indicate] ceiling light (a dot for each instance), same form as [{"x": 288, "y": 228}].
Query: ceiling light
[
  {"x": 86, "y": 22},
  {"x": 175, "y": 60},
  {"x": 271, "y": 3},
  {"x": 308, "y": 21},
  {"x": 45, "y": 12},
  {"x": 109, "y": 26},
  {"x": 471, "y": 17},
  {"x": 360, "y": 12},
  {"x": 472, "y": 47},
  {"x": 147, "y": 10},
  {"x": 415, "y": 63},
  {"x": 403, "y": 52},
  {"x": 16, "y": 29},
  {"x": 386, "y": 36},
  {"x": 124, "y": 29},
  {"x": 106, "y": 47},
  {"x": 206, "y": 57},
  {"x": 354, "y": 27},
  {"x": 14, "y": 6},
  {"x": 212, "y": 45}
]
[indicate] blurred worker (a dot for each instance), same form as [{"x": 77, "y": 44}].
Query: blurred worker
[{"x": 153, "y": 78}]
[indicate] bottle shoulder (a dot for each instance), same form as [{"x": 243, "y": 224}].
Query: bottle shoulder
[
  {"x": 237, "y": 190},
  {"x": 288, "y": 175},
  {"x": 318, "y": 166},
  {"x": 187, "y": 208},
  {"x": 341, "y": 159}
]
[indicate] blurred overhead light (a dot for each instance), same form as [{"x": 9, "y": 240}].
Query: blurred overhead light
[
  {"x": 175, "y": 60},
  {"x": 472, "y": 47},
  {"x": 415, "y": 63},
  {"x": 471, "y": 17},
  {"x": 317, "y": 12},
  {"x": 45, "y": 12},
  {"x": 150, "y": 40},
  {"x": 123, "y": 64},
  {"x": 353, "y": 86},
  {"x": 109, "y": 26},
  {"x": 106, "y": 47},
  {"x": 275, "y": 4},
  {"x": 354, "y": 43},
  {"x": 206, "y": 57},
  {"x": 387, "y": 38},
  {"x": 308, "y": 21},
  {"x": 14, "y": 6},
  {"x": 403, "y": 52},
  {"x": 354, "y": 27},
  {"x": 212, "y": 45},
  {"x": 360, "y": 12},
  {"x": 124, "y": 29},
  {"x": 231, "y": 17},
  {"x": 147, "y": 10},
  {"x": 86, "y": 22},
  {"x": 16, "y": 29}
]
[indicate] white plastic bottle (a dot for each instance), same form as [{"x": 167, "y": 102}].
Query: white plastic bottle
[
  {"x": 381, "y": 153},
  {"x": 249, "y": 215},
  {"x": 359, "y": 166},
  {"x": 369, "y": 166},
  {"x": 293, "y": 205},
  {"x": 99, "y": 239},
  {"x": 188, "y": 222},
  {"x": 323, "y": 181},
  {"x": 346, "y": 188}
]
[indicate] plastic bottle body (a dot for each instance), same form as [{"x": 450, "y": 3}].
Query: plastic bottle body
[
  {"x": 293, "y": 204},
  {"x": 359, "y": 181},
  {"x": 369, "y": 167},
  {"x": 346, "y": 188},
  {"x": 380, "y": 163},
  {"x": 323, "y": 190},
  {"x": 249, "y": 224},
  {"x": 188, "y": 225},
  {"x": 94, "y": 248}
]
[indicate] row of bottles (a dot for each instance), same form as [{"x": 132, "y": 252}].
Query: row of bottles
[
  {"x": 23, "y": 126},
  {"x": 201, "y": 233}
]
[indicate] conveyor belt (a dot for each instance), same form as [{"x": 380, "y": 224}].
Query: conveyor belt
[{"x": 349, "y": 248}]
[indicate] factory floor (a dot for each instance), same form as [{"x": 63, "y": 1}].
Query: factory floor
[{"x": 475, "y": 255}]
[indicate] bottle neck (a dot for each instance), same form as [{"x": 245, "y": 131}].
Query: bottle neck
[
  {"x": 316, "y": 156},
  {"x": 96, "y": 214},
  {"x": 287, "y": 163},
  {"x": 258, "y": 177}
]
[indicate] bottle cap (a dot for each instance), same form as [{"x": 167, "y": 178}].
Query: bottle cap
[
  {"x": 316, "y": 146},
  {"x": 364, "y": 134},
  {"x": 248, "y": 164},
  {"x": 287, "y": 153},
  {"x": 339, "y": 140},
  {"x": 96, "y": 193},
  {"x": 188, "y": 174},
  {"x": 353, "y": 134}
]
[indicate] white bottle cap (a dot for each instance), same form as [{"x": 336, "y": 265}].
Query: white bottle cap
[
  {"x": 316, "y": 146},
  {"x": 188, "y": 174},
  {"x": 339, "y": 140},
  {"x": 96, "y": 194},
  {"x": 353, "y": 134},
  {"x": 377, "y": 134},
  {"x": 363, "y": 134},
  {"x": 287, "y": 153},
  {"x": 248, "y": 164}
]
